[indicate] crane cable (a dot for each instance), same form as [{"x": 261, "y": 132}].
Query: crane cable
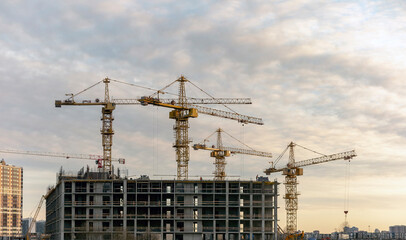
[
  {"x": 347, "y": 188},
  {"x": 132, "y": 84},
  {"x": 280, "y": 156},
  {"x": 239, "y": 140},
  {"x": 222, "y": 130},
  {"x": 310, "y": 150},
  {"x": 74, "y": 95},
  {"x": 211, "y": 96},
  {"x": 242, "y": 155}
]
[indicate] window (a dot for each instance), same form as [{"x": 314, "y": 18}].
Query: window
[
  {"x": 106, "y": 187},
  {"x": 91, "y": 200},
  {"x": 4, "y": 219},
  {"x": 180, "y": 200},
  {"x": 15, "y": 201},
  {"x": 241, "y": 215},
  {"x": 241, "y": 202},
  {"x": 168, "y": 189},
  {"x": 196, "y": 201},
  {"x": 91, "y": 187},
  {"x": 195, "y": 214},
  {"x": 195, "y": 227},
  {"x": 241, "y": 189},
  {"x": 5, "y": 200},
  {"x": 106, "y": 213},
  {"x": 180, "y": 213},
  {"x": 241, "y": 227},
  {"x": 168, "y": 214},
  {"x": 90, "y": 226},
  {"x": 106, "y": 200},
  {"x": 90, "y": 213},
  {"x": 180, "y": 226},
  {"x": 168, "y": 202},
  {"x": 106, "y": 226},
  {"x": 15, "y": 220},
  {"x": 196, "y": 188}
]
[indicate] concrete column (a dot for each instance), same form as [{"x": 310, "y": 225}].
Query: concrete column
[
  {"x": 227, "y": 208},
  {"x": 275, "y": 213},
  {"x": 125, "y": 208},
  {"x": 263, "y": 215},
  {"x": 62, "y": 201}
]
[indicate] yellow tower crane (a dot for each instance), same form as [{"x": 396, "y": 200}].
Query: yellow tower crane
[
  {"x": 185, "y": 108},
  {"x": 294, "y": 169},
  {"x": 220, "y": 152},
  {"x": 108, "y": 106},
  {"x": 107, "y": 119}
]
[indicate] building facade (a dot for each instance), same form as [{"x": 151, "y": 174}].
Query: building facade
[
  {"x": 85, "y": 208},
  {"x": 26, "y": 222},
  {"x": 398, "y": 231},
  {"x": 11, "y": 189}
]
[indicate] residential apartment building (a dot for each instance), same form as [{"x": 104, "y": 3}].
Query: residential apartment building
[
  {"x": 11, "y": 190},
  {"x": 398, "y": 231},
  {"x": 83, "y": 207}
]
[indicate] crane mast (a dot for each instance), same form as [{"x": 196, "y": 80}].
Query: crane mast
[
  {"x": 107, "y": 129},
  {"x": 291, "y": 193},
  {"x": 220, "y": 159},
  {"x": 180, "y": 128},
  {"x": 291, "y": 171},
  {"x": 221, "y": 152}
]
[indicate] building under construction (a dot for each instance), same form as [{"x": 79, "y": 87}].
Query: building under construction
[
  {"x": 101, "y": 205},
  {"x": 91, "y": 205}
]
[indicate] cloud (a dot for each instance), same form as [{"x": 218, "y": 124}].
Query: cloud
[{"x": 327, "y": 75}]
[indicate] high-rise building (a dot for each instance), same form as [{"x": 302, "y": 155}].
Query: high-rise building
[
  {"x": 398, "y": 231},
  {"x": 11, "y": 193}
]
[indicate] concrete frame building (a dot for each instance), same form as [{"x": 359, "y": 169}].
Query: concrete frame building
[
  {"x": 88, "y": 206},
  {"x": 11, "y": 190}
]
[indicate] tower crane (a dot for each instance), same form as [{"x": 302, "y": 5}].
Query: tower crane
[
  {"x": 97, "y": 158},
  {"x": 294, "y": 169},
  {"x": 108, "y": 106},
  {"x": 184, "y": 109},
  {"x": 107, "y": 119},
  {"x": 220, "y": 152}
]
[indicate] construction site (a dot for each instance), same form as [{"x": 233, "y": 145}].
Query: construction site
[{"x": 107, "y": 204}]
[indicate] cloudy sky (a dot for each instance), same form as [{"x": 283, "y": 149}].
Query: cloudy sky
[{"x": 324, "y": 74}]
